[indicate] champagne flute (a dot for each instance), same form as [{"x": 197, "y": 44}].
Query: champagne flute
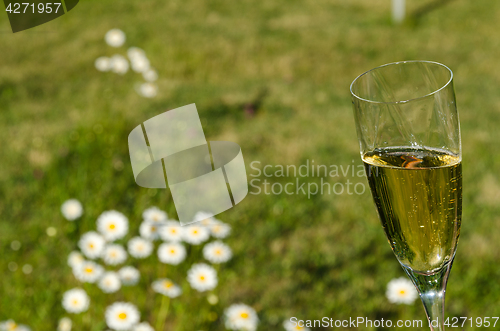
[{"x": 409, "y": 136}]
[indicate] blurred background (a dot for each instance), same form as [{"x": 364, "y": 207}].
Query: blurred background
[{"x": 272, "y": 76}]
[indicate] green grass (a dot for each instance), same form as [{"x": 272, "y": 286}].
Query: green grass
[{"x": 324, "y": 256}]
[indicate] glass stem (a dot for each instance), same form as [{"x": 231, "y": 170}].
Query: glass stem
[{"x": 432, "y": 288}]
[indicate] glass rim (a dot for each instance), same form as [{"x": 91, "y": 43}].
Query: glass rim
[{"x": 401, "y": 101}]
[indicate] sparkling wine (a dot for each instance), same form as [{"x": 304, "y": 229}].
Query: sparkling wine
[{"x": 418, "y": 194}]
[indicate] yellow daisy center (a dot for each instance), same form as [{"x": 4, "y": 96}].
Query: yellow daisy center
[
  {"x": 91, "y": 246},
  {"x": 168, "y": 284},
  {"x": 173, "y": 231},
  {"x": 172, "y": 251},
  {"x": 89, "y": 270},
  {"x": 74, "y": 302},
  {"x": 402, "y": 292},
  {"x": 112, "y": 226},
  {"x": 195, "y": 231},
  {"x": 202, "y": 278},
  {"x": 122, "y": 315},
  {"x": 12, "y": 326},
  {"x": 244, "y": 315},
  {"x": 153, "y": 229},
  {"x": 218, "y": 252}
]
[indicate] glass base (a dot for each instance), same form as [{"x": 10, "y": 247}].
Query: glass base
[{"x": 432, "y": 288}]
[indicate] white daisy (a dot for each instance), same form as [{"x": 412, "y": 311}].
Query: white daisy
[
  {"x": 51, "y": 231},
  {"x": 140, "y": 248},
  {"x": 219, "y": 229},
  {"x": 75, "y": 301},
  {"x": 10, "y": 325},
  {"x": 119, "y": 64},
  {"x": 134, "y": 53},
  {"x": 129, "y": 275},
  {"x": 12, "y": 266},
  {"x": 171, "y": 253},
  {"x": 15, "y": 245},
  {"x": 115, "y": 37},
  {"x": 166, "y": 287},
  {"x": 217, "y": 252},
  {"x": 202, "y": 277},
  {"x": 72, "y": 209},
  {"x": 140, "y": 64},
  {"x": 27, "y": 269},
  {"x": 64, "y": 324},
  {"x": 144, "y": 326},
  {"x": 206, "y": 222},
  {"x": 195, "y": 234},
  {"x": 241, "y": 317},
  {"x": 112, "y": 225},
  {"x": 203, "y": 215},
  {"x": 91, "y": 244},
  {"x": 401, "y": 290},
  {"x": 122, "y": 316},
  {"x": 110, "y": 282},
  {"x": 103, "y": 63},
  {"x": 150, "y": 75},
  {"x": 154, "y": 214},
  {"x": 212, "y": 299},
  {"x": 114, "y": 254},
  {"x": 171, "y": 231},
  {"x": 75, "y": 259},
  {"x": 289, "y": 326},
  {"x": 88, "y": 272},
  {"x": 147, "y": 90},
  {"x": 149, "y": 230}
]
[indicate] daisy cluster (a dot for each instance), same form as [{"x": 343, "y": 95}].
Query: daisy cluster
[
  {"x": 100, "y": 261},
  {"x": 104, "y": 258},
  {"x": 171, "y": 250},
  {"x": 136, "y": 59}
]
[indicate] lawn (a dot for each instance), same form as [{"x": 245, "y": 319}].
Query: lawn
[{"x": 64, "y": 128}]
